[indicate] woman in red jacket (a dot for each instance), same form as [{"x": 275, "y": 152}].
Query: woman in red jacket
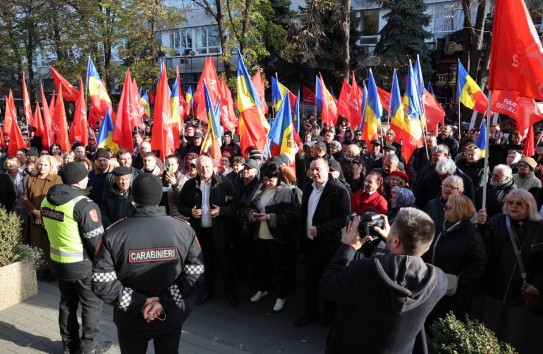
[{"x": 369, "y": 198}]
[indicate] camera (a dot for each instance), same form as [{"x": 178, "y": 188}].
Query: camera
[{"x": 368, "y": 220}]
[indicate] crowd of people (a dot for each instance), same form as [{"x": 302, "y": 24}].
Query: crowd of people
[{"x": 254, "y": 215}]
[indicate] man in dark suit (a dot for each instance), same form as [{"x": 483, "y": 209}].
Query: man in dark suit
[{"x": 325, "y": 207}]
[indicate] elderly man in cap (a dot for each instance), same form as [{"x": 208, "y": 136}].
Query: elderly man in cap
[
  {"x": 117, "y": 202},
  {"x": 148, "y": 279},
  {"x": 525, "y": 177},
  {"x": 336, "y": 151},
  {"x": 74, "y": 228},
  {"x": 97, "y": 177}
]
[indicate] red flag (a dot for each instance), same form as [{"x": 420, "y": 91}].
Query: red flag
[
  {"x": 38, "y": 121},
  {"x": 258, "y": 83},
  {"x": 127, "y": 115},
  {"x": 70, "y": 93},
  {"x": 329, "y": 108},
  {"x": 355, "y": 104},
  {"x": 79, "y": 129},
  {"x": 48, "y": 137},
  {"x": 137, "y": 102},
  {"x": 308, "y": 96},
  {"x": 2, "y": 141},
  {"x": 60, "y": 125},
  {"x": 384, "y": 96},
  {"x": 10, "y": 115},
  {"x": 435, "y": 114},
  {"x": 27, "y": 110},
  {"x": 522, "y": 109},
  {"x": 225, "y": 112},
  {"x": 162, "y": 134},
  {"x": 529, "y": 149},
  {"x": 16, "y": 141},
  {"x": 209, "y": 74},
  {"x": 343, "y": 101},
  {"x": 516, "y": 56},
  {"x": 52, "y": 104}
]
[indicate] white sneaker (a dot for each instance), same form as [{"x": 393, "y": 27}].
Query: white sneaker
[
  {"x": 259, "y": 295},
  {"x": 279, "y": 303}
]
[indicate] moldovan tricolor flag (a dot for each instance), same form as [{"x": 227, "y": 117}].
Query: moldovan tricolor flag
[
  {"x": 396, "y": 107},
  {"x": 100, "y": 101},
  {"x": 253, "y": 127},
  {"x": 469, "y": 93},
  {"x": 177, "y": 109},
  {"x": 516, "y": 56},
  {"x": 411, "y": 98},
  {"x": 213, "y": 138},
  {"x": 281, "y": 134},
  {"x": 105, "y": 135},
  {"x": 373, "y": 111},
  {"x": 162, "y": 134},
  {"x": 481, "y": 139},
  {"x": 69, "y": 92},
  {"x": 80, "y": 128}
]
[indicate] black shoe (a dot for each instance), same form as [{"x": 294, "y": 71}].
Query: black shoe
[
  {"x": 233, "y": 300},
  {"x": 204, "y": 298},
  {"x": 71, "y": 347},
  {"x": 101, "y": 347},
  {"x": 307, "y": 318}
]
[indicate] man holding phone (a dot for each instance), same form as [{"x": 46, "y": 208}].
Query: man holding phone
[{"x": 386, "y": 297}]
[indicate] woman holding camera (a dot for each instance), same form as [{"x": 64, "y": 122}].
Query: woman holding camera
[
  {"x": 506, "y": 286},
  {"x": 458, "y": 250},
  {"x": 274, "y": 215}
]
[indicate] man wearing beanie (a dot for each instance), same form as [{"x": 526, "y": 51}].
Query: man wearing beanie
[
  {"x": 97, "y": 177},
  {"x": 117, "y": 201},
  {"x": 146, "y": 278},
  {"x": 74, "y": 226}
]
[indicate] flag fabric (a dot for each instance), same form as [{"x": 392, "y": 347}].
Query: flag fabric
[
  {"x": 52, "y": 101},
  {"x": 343, "y": 108},
  {"x": 253, "y": 127},
  {"x": 209, "y": 74},
  {"x": 99, "y": 99},
  {"x": 137, "y": 104},
  {"x": 146, "y": 106},
  {"x": 481, "y": 139},
  {"x": 16, "y": 141},
  {"x": 212, "y": 141},
  {"x": 373, "y": 111},
  {"x": 127, "y": 115},
  {"x": 363, "y": 105},
  {"x": 105, "y": 135},
  {"x": 523, "y": 110},
  {"x": 396, "y": 107},
  {"x": 355, "y": 103},
  {"x": 177, "y": 110},
  {"x": 433, "y": 111},
  {"x": 27, "y": 110},
  {"x": 516, "y": 56},
  {"x": 327, "y": 103},
  {"x": 258, "y": 83},
  {"x": 411, "y": 97},
  {"x": 529, "y": 149},
  {"x": 69, "y": 92},
  {"x": 296, "y": 120},
  {"x": 385, "y": 98},
  {"x": 227, "y": 115},
  {"x": 79, "y": 130},
  {"x": 188, "y": 97},
  {"x": 469, "y": 93},
  {"x": 60, "y": 125},
  {"x": 48, "y": 137},
  {"x": 10, "y": 114},
  {"x": 162, "y": 134},
  {"x": 38, "y": 122},
  {"x": 417, "y": 73},
  {"x": 308, "y": 96},
  {"x": 281, "y": 134},
  {"x": 431, "y": 89},
  {"x": 279, "y": 91}
]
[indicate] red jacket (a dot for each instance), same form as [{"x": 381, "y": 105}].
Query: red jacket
[{"x": 362, "y": 201}]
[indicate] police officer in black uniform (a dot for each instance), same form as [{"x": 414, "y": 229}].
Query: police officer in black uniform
[
  {"x": 74, "y": 227},
  {"x": 146, "y": 266}
]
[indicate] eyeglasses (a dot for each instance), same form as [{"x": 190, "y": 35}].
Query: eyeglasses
[
  {"x": 449, "y": 186},
  {"x": 521, "y": 165},
  {"x": 516, "y": 203},
  {"x": 447, "y": 207},
  {"x": 358, "y": 134}
]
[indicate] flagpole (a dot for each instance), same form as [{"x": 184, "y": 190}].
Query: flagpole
[{"x": 485, "y": 175}]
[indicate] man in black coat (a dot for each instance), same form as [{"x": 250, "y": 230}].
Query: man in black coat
[
  {"x": 117, "y": 202},
  {"x": 383, "y": 301},
  {"x": 325, "y": 207},
  {"x": 209, "y": 201},
  {"x": 7, "y": 192}
]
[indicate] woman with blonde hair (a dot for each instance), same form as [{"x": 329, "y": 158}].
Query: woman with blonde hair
[
  {"x": 35, "y": 191},
  {"x": 516, "y": 231},
  {"x": 459, "y": 251}
]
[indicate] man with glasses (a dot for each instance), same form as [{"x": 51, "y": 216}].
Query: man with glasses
[
  {"x": 525, "y": 177},
  {"x": 500, "y": 185}
]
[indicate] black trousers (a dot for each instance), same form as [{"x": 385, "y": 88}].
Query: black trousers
[
  {"x": 167, "y": 342},
  {"x": 217, "y": 255},
  {"x": 71, "y": 294}
]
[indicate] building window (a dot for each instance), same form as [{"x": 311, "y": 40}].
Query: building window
[{"x": 370, "y": 22}]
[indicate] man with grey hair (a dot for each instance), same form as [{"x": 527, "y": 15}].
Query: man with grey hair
[
  {"x": 411, "y": 287},
  {"x": 437, "y": 152},
  {"x": 354, "y": 168},
  {"x": 431, "y": 186},
  {"x": 390, "y": 163},
  {"x": 500, "y": 184},
  {"x": 446, "y": 137}
]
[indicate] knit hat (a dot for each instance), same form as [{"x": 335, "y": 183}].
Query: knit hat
[
  {"x": 121, "y": 171},
  {"x": 102, "y": 153},
  {"x": 32, "y": 152},
  {"x": 529, "y": 161},
  {"x": 251, "y": 163},
  {"x": 400, "y": 174},
  {"x": 405, "y": 197},
  {"x": 336, "y": 145},
  {"x": 73, "y": 172},
  {"x": 284, "y": 159},
  {"x": 255, "y": 154},
  {"x": 147, "y": 190}
]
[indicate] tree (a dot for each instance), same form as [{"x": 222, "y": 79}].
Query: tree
[{"x": 403, "y": 37}]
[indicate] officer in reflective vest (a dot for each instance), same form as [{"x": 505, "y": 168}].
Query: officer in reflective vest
[{"x": 74, "y": 226}]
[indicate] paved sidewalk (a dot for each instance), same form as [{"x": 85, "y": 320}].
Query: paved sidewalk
[{"x": 32, "y": 327}]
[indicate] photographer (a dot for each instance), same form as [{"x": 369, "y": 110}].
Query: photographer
[{"x": 386, "y": 297}]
